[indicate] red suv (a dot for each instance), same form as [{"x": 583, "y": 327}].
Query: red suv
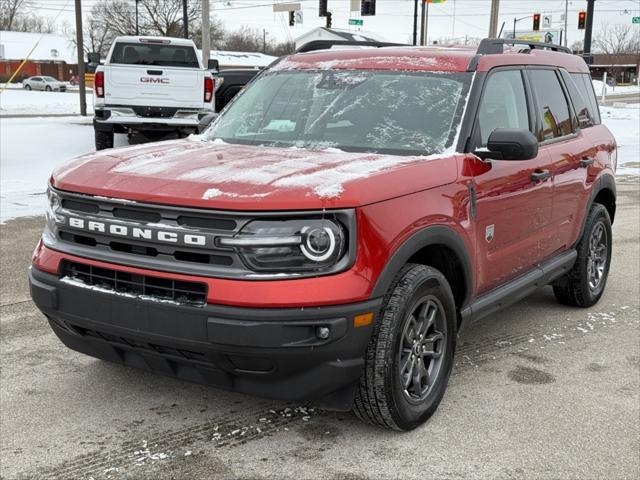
[{"x": 331, "y": 232}]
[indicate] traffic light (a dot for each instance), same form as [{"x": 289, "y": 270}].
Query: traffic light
[
  {"x": 536, "y": 22},
  {"x": 582, "y": 19},
  {"x": 323, "y": 8},
  {"x": 328, "y": 20},
  {"x": 368, "y": 7},
  {"x": 292, "y": 18}
]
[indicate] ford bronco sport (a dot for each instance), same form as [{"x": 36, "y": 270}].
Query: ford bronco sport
[{"x": 339, "y": 222}]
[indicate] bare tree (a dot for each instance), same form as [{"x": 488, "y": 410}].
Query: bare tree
[
  {"x": 617, "y": 39},
  {"x": 578, "y": 47},
  {"x": 164, "y": 17},
  {"x": 9, "y": 10},
  {"x": 244, "y": 39}
]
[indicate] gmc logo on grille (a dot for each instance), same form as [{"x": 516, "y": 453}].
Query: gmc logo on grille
[
  {"x": 142, "y": 233},
  {"x": 164, "y": 81}
]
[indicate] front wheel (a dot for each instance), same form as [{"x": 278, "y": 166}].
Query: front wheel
[
  {"x": 28, "y": 87},
  {"x": 584, "y": 284},
  {"x": 410, "y": 354},
  {"x": 47, "y": 88}
]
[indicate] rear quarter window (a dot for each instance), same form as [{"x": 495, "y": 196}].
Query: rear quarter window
[
  {"x": 581, "y": 105},
  {"x": 585, "y": 86}
]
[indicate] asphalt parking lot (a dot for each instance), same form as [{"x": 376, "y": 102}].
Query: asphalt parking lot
[{"x": 538, "y": 391}]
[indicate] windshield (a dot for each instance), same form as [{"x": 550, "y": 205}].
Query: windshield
[
  {"x": 162, "y": 55},
  {"x": 402, "y": 113}
]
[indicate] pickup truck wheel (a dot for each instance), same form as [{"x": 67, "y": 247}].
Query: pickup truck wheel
[
  {"x": 584, "y": 284},
  {"x": 410, "y": 354},
  {"x": 103, "y": 139}
]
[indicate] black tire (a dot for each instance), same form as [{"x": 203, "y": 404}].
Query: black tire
[
  {"x": 381, "y": 398},
  {"x": 47, "y": 88},
  {"x": 28, "y": 87},
  {"x": 584, "y": 284},
  {"x": 103, "y": 139}
]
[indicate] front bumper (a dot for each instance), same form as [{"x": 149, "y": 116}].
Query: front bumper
[{"x": 271, "y": 352}]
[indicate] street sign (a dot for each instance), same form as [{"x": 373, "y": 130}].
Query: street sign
[
  {"x": 298, "y": 17},
  {"x": 546, "y": 21},
  {"x": 635, "y": 20},
  {"x": 286, "y": 7},
  {"x": 355, "y": 21}
]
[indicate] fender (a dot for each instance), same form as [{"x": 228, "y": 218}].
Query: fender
[
  {"x": 432, "y": 235},
  {"x": 605, "y": 182}
]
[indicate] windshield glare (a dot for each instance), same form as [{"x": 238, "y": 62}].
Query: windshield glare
[{"x": 382, "y": 112}]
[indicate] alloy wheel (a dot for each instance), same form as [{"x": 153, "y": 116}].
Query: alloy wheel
[{"x": 598, "y": 256}]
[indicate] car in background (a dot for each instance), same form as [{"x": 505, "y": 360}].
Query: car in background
[{"x": 48, "y": 84}]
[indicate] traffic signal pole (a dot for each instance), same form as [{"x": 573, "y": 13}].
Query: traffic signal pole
[
  {"x": 185, "y": 19},
  {"x": 588, "y": 30},
  {"x": 493, "y": 21}
]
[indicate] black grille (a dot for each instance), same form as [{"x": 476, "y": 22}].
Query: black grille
[
  {"x": 157, "y": 112},
  {"x": 155, "y": 288}
]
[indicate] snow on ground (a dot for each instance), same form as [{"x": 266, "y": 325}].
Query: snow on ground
[
  {"x": 624, "y": 123},
  {"x": 30, "y": 148},
  {"x": 612, "y": 91},
  {"x": 15, "y": 101}
]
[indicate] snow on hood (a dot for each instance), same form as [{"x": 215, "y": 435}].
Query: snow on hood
[{"x": 215, "y": 170}]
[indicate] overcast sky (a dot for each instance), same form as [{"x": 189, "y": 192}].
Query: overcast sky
[{"x": 394, "y": 18}]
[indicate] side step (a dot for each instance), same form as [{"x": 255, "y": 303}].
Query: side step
[{"x": 519, "y": 288}]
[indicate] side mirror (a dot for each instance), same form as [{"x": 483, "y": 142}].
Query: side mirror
[
  {"x": 213, "y": 65},
  {"x": 510, "y": 144},
  {"x": 93, "y": 57}
]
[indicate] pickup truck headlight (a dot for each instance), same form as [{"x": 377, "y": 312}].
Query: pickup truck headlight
[
  {"x": 296, "y": 245},
  {"x": 53, "y": 207}
]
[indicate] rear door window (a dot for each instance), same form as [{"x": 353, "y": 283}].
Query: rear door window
[
  {"x": 161, "y": 55},
  {"x": 552, "y": 105},
  {"x": 503, "y": 104},
  {"x": 580, "y": 103},
  {"x": 585, "y": 86}
]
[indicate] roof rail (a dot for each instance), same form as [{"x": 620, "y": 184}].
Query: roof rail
[
  {"x": 493, "y": 46},
  {"x": 326, "y": 44}
]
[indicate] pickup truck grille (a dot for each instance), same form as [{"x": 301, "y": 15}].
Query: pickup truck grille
[
  {"x": 149, "y": 251},
  {"x": 155, "y": 112}
]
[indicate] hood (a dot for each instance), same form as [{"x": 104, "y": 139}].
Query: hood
[{"x": 218, "y": 175}]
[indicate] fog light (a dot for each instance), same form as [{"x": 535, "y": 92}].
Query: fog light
[{"x": 322, "y": 332}]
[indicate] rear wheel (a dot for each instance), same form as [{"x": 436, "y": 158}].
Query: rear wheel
[
  {"x": 584, "y": 284},
  {"x": 410, "y": 354},
  {"x": 47, "y": 88},
  {"x": 103, "y": 139}
]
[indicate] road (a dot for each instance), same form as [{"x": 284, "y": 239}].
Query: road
[
  {"x": 626, "y": 98},
  {"x": 538, "y": 391}
]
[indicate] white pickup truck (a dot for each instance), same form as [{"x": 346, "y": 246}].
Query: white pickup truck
[{"x": 151, "y": 85}]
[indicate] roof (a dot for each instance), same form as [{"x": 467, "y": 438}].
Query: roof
[
  {"x": 17, "y": 45},
  {"x": 321, "y": 33},
  {"x": 384, "y": 58},
  {"x": 429, "y": 59},
  {"x": 228, "y": 59}
]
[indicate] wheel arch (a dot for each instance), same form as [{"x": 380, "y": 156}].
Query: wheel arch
[
  {"x": 437, "y": 246},
  {"x": 604, "y": 193}
]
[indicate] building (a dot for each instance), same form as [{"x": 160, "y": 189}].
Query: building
[
  {"x": 228, "y": 59},
  {"x": 621, "y": 68},
  {"x": 53, "y": 55},
  {"x": 321, "y": 33}
]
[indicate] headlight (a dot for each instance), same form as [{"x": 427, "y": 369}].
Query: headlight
[
  {"x": 53, "y": 207},
  {"x": 296, "y": 245}
]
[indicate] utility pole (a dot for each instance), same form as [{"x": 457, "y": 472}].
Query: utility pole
[
  {"x": 206, "y": 34},
  {"x": 588, "y": 31},
  {"x": 415, "y": 22},
  {"x": 566, "y": 20},
  {"x": 137, "y": 31},
  {"x": 493, "y": 21},
  {"x": 80, "y": 48},
  {"x": 424, "y": 22},
  {"x": 185, "y": 19},
  {"x": 264, "y": 40}
]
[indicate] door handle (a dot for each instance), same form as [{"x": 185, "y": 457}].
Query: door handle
[
  {"x": 154, "y": 72},
  {"x": 587, "y": 162},
  {"x": 540, "y": 176}
]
